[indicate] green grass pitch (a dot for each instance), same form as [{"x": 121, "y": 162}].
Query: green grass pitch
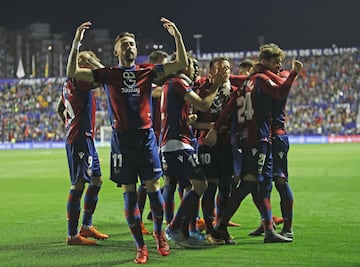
[{"x": 325, "y": 179}]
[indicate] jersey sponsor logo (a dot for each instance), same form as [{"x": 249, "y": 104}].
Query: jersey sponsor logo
[
  {"x": 129, "y": 80},
  {"x": 81, "y": 155},
  {"x": 134, "y": 91},
  {"x": 281, "y": 154},
  {"x": 254, "y": 151}
]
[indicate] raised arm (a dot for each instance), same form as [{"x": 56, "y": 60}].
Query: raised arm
[
  {"x": 181, "y": 60},
  {"x": 276, "y": 87},
  {"x": 203, "y": 104},
  {"x": 72, "y": 69},
  {"x": 296, "y": 68}
]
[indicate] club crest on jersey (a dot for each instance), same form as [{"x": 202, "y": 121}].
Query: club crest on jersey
[{"x": 180, "y": 158}]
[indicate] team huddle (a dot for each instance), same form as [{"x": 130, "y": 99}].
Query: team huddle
[{"x": 217, "y": 139}]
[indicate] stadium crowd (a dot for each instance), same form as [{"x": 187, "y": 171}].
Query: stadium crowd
[{"x": 323, "y": 101}]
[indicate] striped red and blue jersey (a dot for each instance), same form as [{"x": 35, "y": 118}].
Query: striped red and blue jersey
[
  {"x": 252, "y": 106},
  {"x": 214, "y": 111},
  {"x": 79, "y": 101},
  {"x": 174, "y": 112},
  {"x": 128, "y": 91}
]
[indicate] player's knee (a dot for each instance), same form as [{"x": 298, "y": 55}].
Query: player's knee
[
  {"x": 169, "y": 180},
  {"x": 79, "y": 186},
  {"x": 152, "y": 185},
  {"x": 96, "y": 181},
  {"x": 199, "y": 186},
  {"x": 280, "y": 180},
  {"x": 128, "y": 188}
]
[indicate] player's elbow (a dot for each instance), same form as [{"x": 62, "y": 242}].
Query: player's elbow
[
  {"x": 203, "y": 106},
  {"x": 70, "y": 72}
]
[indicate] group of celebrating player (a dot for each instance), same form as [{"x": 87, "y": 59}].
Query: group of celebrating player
[{"x": 221, "y": 134}]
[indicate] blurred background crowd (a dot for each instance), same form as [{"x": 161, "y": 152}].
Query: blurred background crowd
[{"x": 324, "y": 100}]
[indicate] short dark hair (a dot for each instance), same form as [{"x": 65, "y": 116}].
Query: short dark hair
[
  {"x": 156, "y": 55},
  {"x": 247, "y": 63},
  {"x": 123, "y": 34},
  {"x": 217, "y": 59}
]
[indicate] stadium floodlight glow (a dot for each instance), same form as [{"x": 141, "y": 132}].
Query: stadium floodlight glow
[
  {"x": 197, "y": 37},
  {"x": 158, "y": 46}
]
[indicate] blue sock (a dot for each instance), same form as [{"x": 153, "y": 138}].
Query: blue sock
[
  {"x": 157, "y": 209},
  {"x": 132, "y": 215},
  {"x": 141, "y": 198},
  {"x": 208, "y": 205},
  {"x": 90, "y": 201},
  {"x": 187, "y": 209},
  {"x": 286, "y": 204},
  {"x": 265, "y": 188},
  {"x": 236, "y": 197},
  {"x": 73, "y": 211},
  {"x": 168, "y": 195}
]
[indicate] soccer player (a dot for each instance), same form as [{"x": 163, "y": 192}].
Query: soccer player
[
  {"x": 76, "y": 108},
  {"x": 156, "y": 57},
  {"x": 217, "y": 160},
  {"x": 178, "y": 153},
  {"x": 253, "y": 113},
  {"x": 280, "y": 149},
  {"x": 246, "y": 66},
  {"x": 134, "y": 150}
]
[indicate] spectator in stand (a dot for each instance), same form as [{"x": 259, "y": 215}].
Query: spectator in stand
[{"x": 327, "y": 83}]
